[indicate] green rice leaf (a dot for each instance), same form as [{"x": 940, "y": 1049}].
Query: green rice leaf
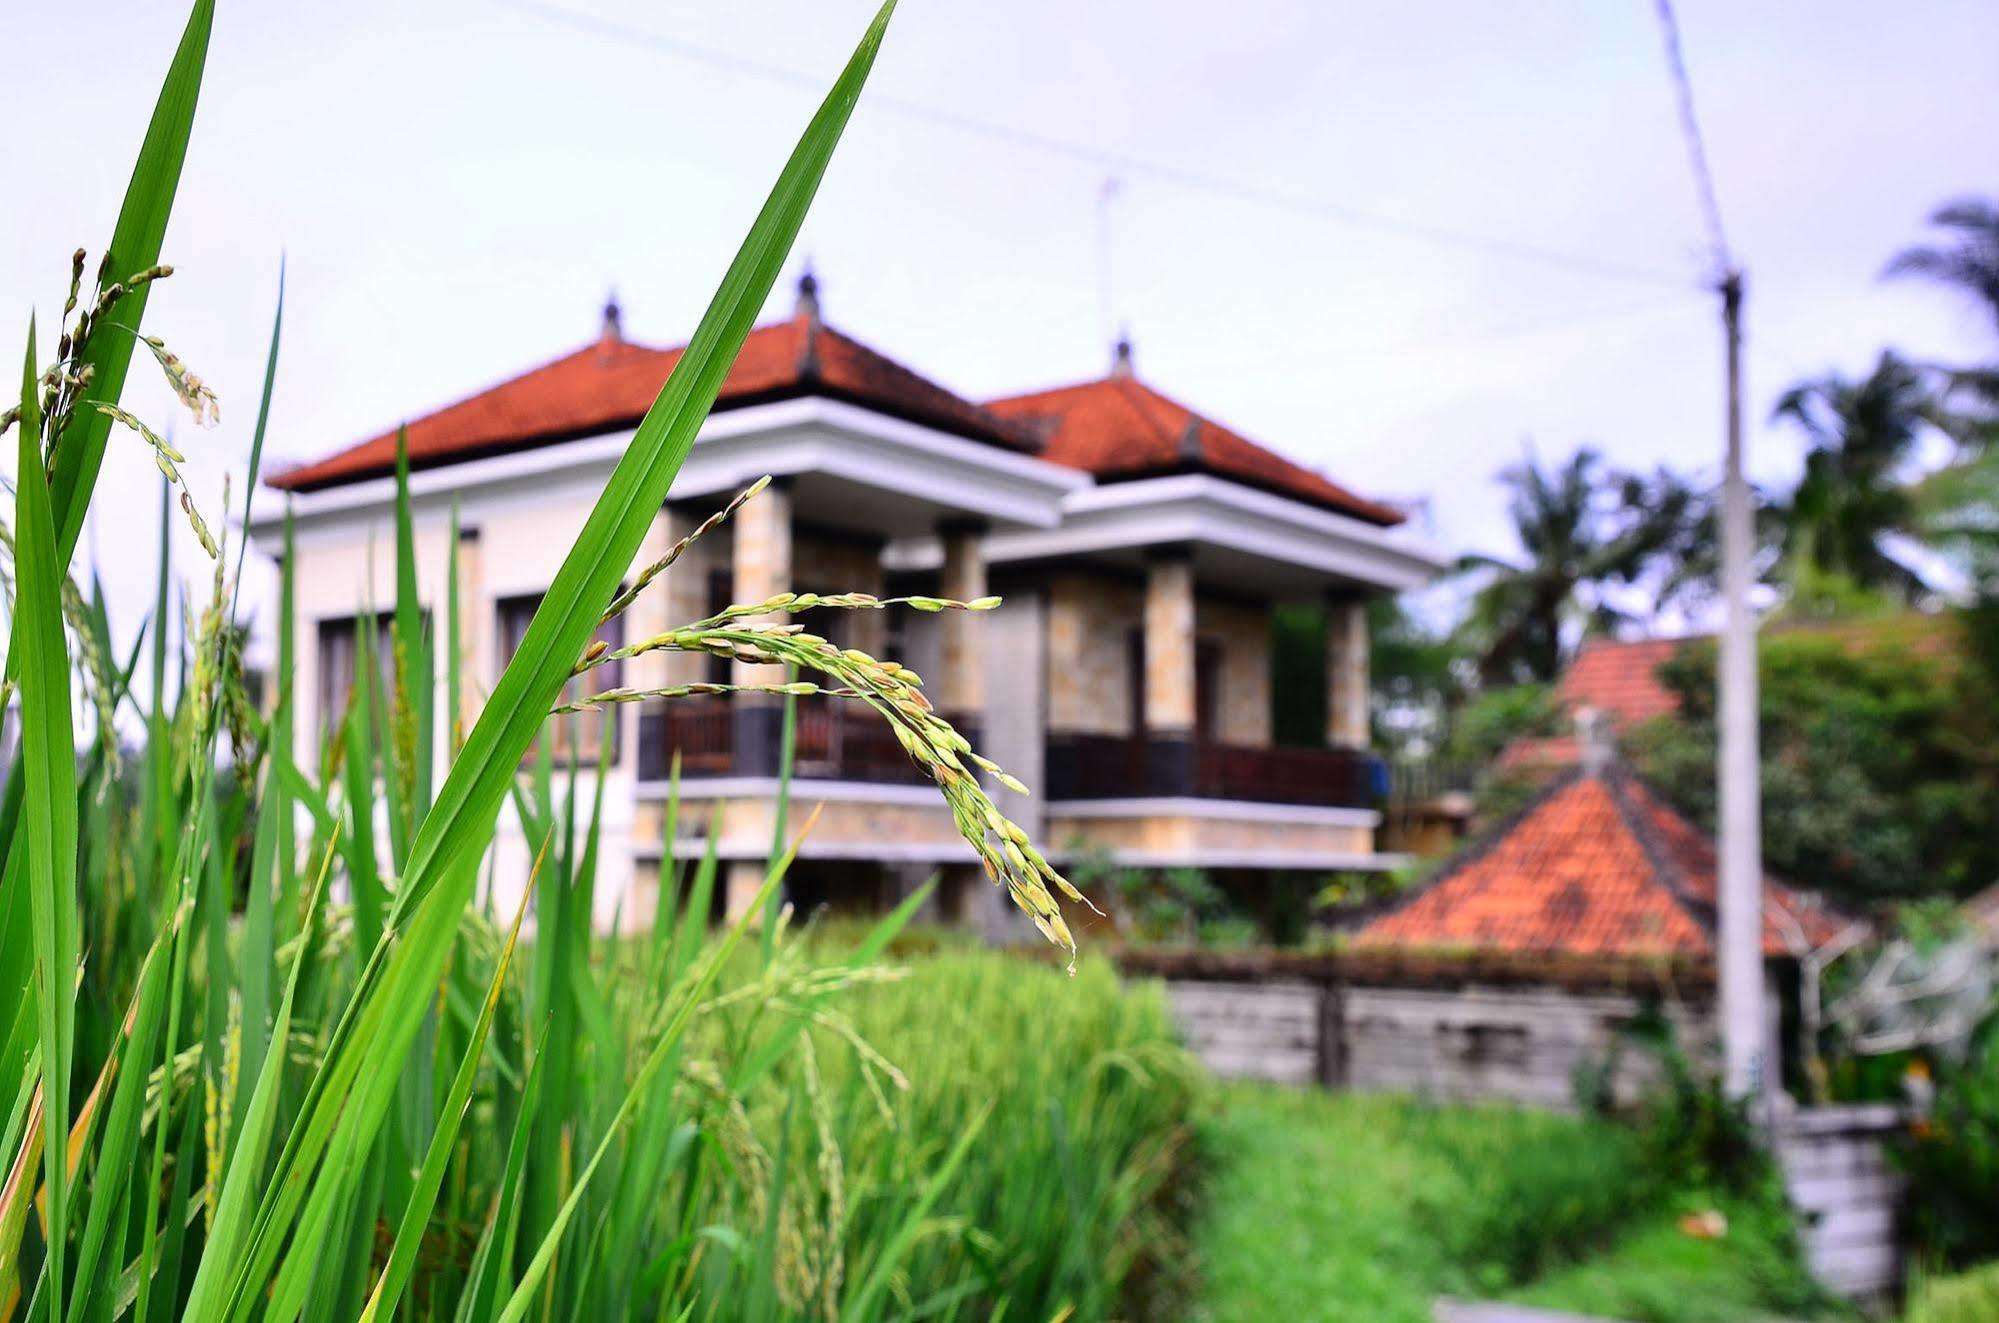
[
  {"x": 48, "y": 773},
  {"x": 135, "y": 245}
]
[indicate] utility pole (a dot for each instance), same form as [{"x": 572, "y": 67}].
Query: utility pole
[{"x": 1738, "y": 768}]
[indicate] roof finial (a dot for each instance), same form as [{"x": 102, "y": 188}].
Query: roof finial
[
  {"x": 1597, "y": 740},
  {"x": 808, "y": 294},
  {"x": 614, "y": 320},
  {"x": 1121, "y": 354}
]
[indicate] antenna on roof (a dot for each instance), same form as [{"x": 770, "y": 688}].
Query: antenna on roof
[
  {"x": 1107, "y": 193},
  {"x": 808, "y": 295},
  {"x": 614, "y": 320}
]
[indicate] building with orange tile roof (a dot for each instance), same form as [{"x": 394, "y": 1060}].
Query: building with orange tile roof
[{"x": 1141, "y": 548}]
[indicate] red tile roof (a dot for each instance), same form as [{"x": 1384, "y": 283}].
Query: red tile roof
[
  {"x": 1620, "y": 680},
  {"x": 1597, "y": 865},
  {"x": 1120, "y": 428},
  {"x": 610, "y": 384}
]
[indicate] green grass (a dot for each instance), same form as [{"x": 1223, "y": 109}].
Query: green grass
[
  {"x": 303, "y": 1075},
  {"x": 1353, "y": 1207},
  {"x": 1659, "y": 1274}
]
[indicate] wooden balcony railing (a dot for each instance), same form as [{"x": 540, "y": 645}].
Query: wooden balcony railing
[
  {"x": 1082, "y": 766},
  {"x": 837, "y": 739}
]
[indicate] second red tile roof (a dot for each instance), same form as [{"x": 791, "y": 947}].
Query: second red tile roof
[
  {"x": 1119, "y": 427},
  {"x": 1597, "y": 865}
]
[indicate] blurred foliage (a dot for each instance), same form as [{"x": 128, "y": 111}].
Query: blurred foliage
[
  {"x": 1952, "y": 1157},
  {"x": 1880, "y": 762}
]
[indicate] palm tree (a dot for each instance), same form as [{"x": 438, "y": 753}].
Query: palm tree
[
  {"x": 1853, "y": 498},
  {"x": 1968, "y": 263},
  {"x": 1971, "y": 262},
  {"x": 1582, "y": 533}
]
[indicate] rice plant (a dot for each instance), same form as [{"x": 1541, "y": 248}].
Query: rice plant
[{"x": 263, "y": 1061}]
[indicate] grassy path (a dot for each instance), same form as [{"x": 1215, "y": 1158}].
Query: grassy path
[{"x": 1363, "y": 1209}]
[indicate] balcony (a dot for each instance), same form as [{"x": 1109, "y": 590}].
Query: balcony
[
  {"x": 837, "y": 740},
  {"x": 1082, "y": 767}
]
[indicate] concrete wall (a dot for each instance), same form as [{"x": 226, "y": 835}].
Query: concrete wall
[
  {"x": 1838, "y": 1178},
  {"x": 1090, "y": 620},
  {"x": 1216, "y": 833},
  {"x": 1243, "y": 633},
  {"x": 1090, "y": 623},
  {"x": 514, "y": 547},
  {"x": 1257, "y": 1031},
  {"x": 1520, "y": 1044},
  {"x": 1481, "y": 1042}
]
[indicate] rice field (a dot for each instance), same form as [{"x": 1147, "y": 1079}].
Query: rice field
[{"x": 268, "y": 1053}]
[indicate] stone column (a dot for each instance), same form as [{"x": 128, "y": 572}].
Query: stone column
[
  {"x": 1169, "y": 671},
  {"x": 762, "y": 569},
  {"x": 961, "y": 683},
  {"x": 683, "y": 594},
  {"x": 1346, "y": 673},
  {"x": 741, "y": 880},
  {"x": 648, "y": 615}
]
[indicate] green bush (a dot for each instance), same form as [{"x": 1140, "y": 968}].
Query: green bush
[
  {"x": 1952, "y": 1159},
  {"x": 1536, "y": 1190},
  {"x": 1880, "y": 762},
  {"x": 1971, "y": 1297}
]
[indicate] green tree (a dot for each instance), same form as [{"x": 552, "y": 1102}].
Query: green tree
[
  {"x": 1587, "y": 531},
  {"x": 1968, "y": 261},
  {"x": 1880, "y": 757},
  {"x": 1959, "y": 504},
  {"x": 1855, "y": 497}
]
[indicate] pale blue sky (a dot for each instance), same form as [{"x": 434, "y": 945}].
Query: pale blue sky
[{"x": 458, "y": 183}]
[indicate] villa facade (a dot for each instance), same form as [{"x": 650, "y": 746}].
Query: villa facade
[{"x": 1140, "y": 549}]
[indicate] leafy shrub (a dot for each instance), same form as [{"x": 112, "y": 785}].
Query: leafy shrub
[
  {"x": 1971, "y": 1297},
  {"x": 1692, "y": 1135},
  {"x": 1537, "y": 1190},
  {"x": 1952, "y": 1158},
  {"x": 1880, "y": 762}
]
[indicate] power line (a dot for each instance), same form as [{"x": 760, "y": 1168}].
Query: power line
[
  {"x": 1690, "y": 132},
  {"x": 1105, "y": 161}
]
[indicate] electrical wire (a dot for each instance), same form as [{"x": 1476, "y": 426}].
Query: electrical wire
[
  {"x": 1106, "y": 161},
  {"x": 1690, "y": 132}
]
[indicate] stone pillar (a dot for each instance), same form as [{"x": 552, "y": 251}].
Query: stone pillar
[
  {"x": 762, "y": 569},
  {"x": 1169, "y": 671},
  {"x": 741, "y": 880},
  {"x": 1346, "y": 673},
  {"x": 961, "y": 682},
  {"x": 683, "y": 594},
  {"x": 646, "y": 616}
]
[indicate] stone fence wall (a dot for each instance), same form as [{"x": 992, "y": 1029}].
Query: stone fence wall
[
  {"x": 1837, "y": 1173},
  {"x": 1450, "y": 1030},
  {"x": 1518, "y": 1031}
]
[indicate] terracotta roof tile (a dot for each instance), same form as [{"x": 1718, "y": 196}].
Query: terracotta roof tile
[
  {"x": 610, "y": 384},
  {"x": 1119, "y": 427},
  {"x": 1621, "y": 680},
  {"x": 1597, "y": 865}
]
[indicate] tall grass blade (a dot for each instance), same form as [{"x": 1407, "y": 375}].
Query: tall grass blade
[
  {"x": 135, "y": 245},
  {"x": 48, "y": 775}
]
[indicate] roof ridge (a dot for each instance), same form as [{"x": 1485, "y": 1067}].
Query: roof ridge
[
  {"x": 1134, "y": 393},
  {"x": 1481, "y": 846},
  {"x": 1616, "y": 780}
]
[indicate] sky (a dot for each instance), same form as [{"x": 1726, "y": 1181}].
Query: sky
[{"x": 1330, "y": 226}]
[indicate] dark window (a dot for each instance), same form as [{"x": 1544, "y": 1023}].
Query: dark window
[
  {"x": 341, "y": 643},
  {"x": 573, "y": 733},
  {"x": 1134, "y": 658},
  {"x": 1207, "y": 689},
  {"x": 721, "y": 586}
]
